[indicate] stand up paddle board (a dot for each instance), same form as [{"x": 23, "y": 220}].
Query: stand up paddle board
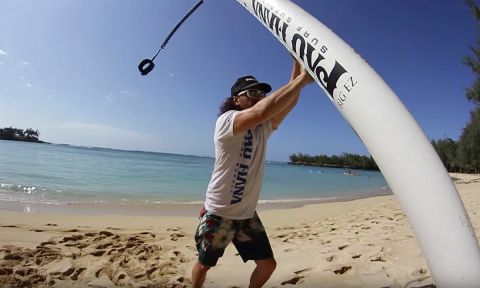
[{"x": 403, "y": 153}]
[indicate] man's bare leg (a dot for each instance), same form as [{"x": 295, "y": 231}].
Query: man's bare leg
[
  {"x": 199, "y": 274},
  {"x": 262, "y": 272}
]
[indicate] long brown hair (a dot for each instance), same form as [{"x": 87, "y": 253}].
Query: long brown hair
[{"x": 227, "y": 105}]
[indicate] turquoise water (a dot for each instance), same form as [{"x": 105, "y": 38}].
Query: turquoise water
[{"x": 62, "y": 174}]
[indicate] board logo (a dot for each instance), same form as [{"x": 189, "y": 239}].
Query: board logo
[{"x": 327, "y": 71}]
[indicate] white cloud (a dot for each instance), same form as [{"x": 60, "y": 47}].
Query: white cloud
[
  {"x": 26, "y": 63},
  {"x": 128, "y": 93},
  {"x": 29, "y": 85},
  {"x": 110, "y": 97},
  {"x": 77, "y": 125},
  {"x": 2, "y": 52},
  {"x": 99, "y": 135},
  {"x": 171, "y": 74}
]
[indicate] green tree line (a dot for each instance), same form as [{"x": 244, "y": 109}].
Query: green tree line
[
  {"x": 344, "y": 160},
  {"x": 464, "y": 155},
  {"x": 10, "y": 133}
]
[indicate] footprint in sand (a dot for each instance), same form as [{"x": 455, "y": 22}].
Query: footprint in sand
[
  {"x": 113, "y": 228},
  {"x": 342, "y": 247},
  {"x": 179, "y": 257},
  {"x": 175, "y": 236},
  {"x": 175, "y": 229},
  {"x": 302, "y": 271},
  {"x": 191, "y": 248},
  {"x": 103, "y": 246},
  {"x": 97, "y": 253},
  {"x": 286, "y": 228},
  {"x": 342, "y": 270},
  {"x": 419, "y": 272},
  {"x": 294, "y": 281},
  {"x": 48, "y": 243},
  {"x": 298, "y": 278},
  {"x": 284, "y": 237},
  {"x": 148, "y": 233},
  {"x": 378, "y": 259},
  {"x": 74, "y": 237},
  {"x": 77, "y": 273},
  {"x": 72, "y": 230},
  {"x": 105, "y": 233}
]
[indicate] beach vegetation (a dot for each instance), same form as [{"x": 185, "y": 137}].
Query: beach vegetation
[
  {"x": 16, "y": 134},
  {"x": 447, "y": 151},
  {"x": 345, "y": 160},
  {"x": 464, "y": 155},
  {"x": 473, "y": 61},
  {"x": 469, "y": 143}
]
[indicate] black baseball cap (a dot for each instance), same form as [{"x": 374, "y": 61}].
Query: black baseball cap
[{"x": 249, "y": 82}]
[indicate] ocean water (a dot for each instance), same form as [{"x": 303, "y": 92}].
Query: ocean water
[{"x": 63, "y": 174}]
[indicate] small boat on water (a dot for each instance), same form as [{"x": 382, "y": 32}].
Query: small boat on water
[{"x": 350, "y": 173}]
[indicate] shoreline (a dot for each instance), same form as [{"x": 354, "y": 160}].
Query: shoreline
[
  {"x": 366, "y": 242},
  {"x": 180, "y": 209}
]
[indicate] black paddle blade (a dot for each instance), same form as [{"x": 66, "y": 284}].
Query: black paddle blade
[{"x": 146, "y": 66}]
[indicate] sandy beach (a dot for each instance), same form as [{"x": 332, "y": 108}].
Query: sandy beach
[{"x": 361, "y": 243}]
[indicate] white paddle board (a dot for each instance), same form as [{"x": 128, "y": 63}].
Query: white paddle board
[{"x": 403, "y": 153}]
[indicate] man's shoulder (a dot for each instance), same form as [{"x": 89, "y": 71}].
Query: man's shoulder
[
  {"x": 227, "y": 116},
  {"x": 228, "y": 113}
]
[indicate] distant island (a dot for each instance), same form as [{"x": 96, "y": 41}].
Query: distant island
[
  {"x": 346, "y": 160},
  {"x": 15, "y": 134}
]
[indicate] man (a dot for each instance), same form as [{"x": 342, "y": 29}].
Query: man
[{"x": 246, "y": 121}]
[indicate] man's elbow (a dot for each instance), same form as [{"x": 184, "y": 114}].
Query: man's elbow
[{"x": 275, "y": 124}]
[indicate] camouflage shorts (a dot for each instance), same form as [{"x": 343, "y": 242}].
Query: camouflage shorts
[{"x": 214, "y": 233}]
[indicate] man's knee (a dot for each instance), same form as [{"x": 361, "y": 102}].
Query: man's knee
[
  {"x": 199, "y": 274},
  {"x": 203, "y": 268},
  {"x": 272, "y": 264},
  {"x": 267, "y": 264}
]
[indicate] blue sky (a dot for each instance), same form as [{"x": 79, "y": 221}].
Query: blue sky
[{"x": 69, "y": 69}]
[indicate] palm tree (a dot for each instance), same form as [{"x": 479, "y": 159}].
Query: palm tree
[{"x": 32, "y": 134}]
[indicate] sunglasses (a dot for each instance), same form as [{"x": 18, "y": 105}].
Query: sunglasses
[{"x": 252, "y": 93}]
